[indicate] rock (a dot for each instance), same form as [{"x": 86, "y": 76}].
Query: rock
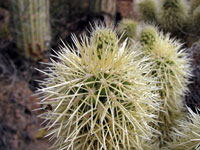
[{"x": 193, "y": 98}]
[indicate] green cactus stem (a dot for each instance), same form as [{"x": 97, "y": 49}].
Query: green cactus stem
[{"x": 31, "y": 26}]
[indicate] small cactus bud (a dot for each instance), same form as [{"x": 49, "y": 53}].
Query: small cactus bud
[{"x": 105, "y": 39}]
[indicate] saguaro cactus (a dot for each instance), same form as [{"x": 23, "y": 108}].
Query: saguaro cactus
[{"x": 30, "y": 26}]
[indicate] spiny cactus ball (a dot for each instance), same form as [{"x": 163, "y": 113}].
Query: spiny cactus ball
[
  {"x": 99, "y": 103},
  {"x": 128, "y": 28},
  {"x": 187, "y": 136},
  {"x": 105, "y": 39},
  {"x": 148, "y": 37},
  {"x": 147, "y": 10},
  {"x": 173, "y": 15}
]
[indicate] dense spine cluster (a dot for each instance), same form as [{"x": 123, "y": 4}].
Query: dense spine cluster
[
  {"x": 188, "y": 133},
  {"x": 104, "y": 38},
  {"x": 148, "y": 37},
  {"x": 104, "y": 102}
]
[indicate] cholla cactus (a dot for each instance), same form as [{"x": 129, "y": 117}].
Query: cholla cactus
[
  {"x": 193, "y": 5},
  {"x": 173, "y": 15},
  {"x": 148, "y": 10},
  {"x": 196, "y": 20},
  {"x": 148, "y": 37},
  {"x": 171, "y": 66},
  {"x": 99, "y": 103},
  {"x": 187, "y": 136},
  {"x": 128, "y": 29}
]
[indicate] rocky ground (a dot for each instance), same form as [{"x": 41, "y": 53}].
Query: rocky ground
[{"x": 19, "y": 124}]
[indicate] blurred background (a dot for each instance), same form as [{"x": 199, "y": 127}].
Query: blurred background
[{"x": 29, "y": 30}]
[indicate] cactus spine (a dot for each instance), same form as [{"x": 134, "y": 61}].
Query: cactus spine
[
  {"x": 188, "y": 133},
  {"x": 31, "y": 26},
  {"x": 99, "y": 102}
]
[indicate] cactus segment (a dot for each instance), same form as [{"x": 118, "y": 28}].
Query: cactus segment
[
  {"x": 173, "y": 15},
  {"x": 148, "y": 10},
  {"x": 171, "y": 66}
]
